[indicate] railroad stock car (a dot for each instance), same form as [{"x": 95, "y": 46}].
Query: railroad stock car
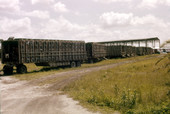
[
  {"x": 95, "y": 52},
  {"x": 16, "y": 52},
  {"x": 144, "y": 50},
  {"x": 116, "y": 51},
  {"x": 140, "y": 51},
  {"x": 149, "y": 50}
]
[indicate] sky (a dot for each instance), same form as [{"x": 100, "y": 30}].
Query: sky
[{"x": 88, "y": 20}]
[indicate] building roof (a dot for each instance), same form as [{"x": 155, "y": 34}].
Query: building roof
[{"x": 132, "y": 40}]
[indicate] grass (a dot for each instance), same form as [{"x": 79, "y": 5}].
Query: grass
[
  {"x": 111, "y": 61},
  {"x": 141, "y": 87}
]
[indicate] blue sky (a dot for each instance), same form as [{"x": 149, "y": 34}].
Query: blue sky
[{"x": 89, "y": 20}]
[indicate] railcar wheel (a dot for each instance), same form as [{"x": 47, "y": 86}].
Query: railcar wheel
[
  {"x": 78, "y": 64},
  {"x": 21, "y": 69},
  {"x": 8, "y": 70},
  {"x": 73, "y": 64}
]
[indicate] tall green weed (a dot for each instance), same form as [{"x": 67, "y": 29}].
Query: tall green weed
[{"x": 141, "y": 87}]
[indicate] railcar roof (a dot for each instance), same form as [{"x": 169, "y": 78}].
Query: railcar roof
[{"x": 29, "y": 39}]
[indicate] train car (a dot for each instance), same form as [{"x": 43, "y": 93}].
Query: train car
[
  {"x": 133, "y": 52},
  {"x": 129, "y": 51},
  {"x": 116, "y": 51},
  {"x": 156, "y": 51},
  {"x": 95, "y": 52},
  {"x": 0, "y": 53},
  {"x": 140, "y": 51},
  {"x": 16, "y": 52},
  {"x": 149, "y": 51}
]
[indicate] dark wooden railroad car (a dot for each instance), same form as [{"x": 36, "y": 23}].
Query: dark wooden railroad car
[
  {"x": 116, "y": 51},
  {"x": 149, "y": 51},
  {"x": 95, "y": 52},
  {"x": 156, "y": 51},
  {"x": 129, "y": 51},
  {"x": 52, "y": 53},
  {"x": 133, "y": 53},
  {"x": 140, "y": 51}
]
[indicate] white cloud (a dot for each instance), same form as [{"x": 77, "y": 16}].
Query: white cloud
[
  {"x": 110, "y": 1},
  {"x": 38, "y": 14},
  {"x": 111, "y": 19},
  {"x": 154, "y": 3},
  {"x": 38, "y": 21},
  {"x": 59, "y": 28},
  {"x": 60, "y": 7},
  {"x": 41, "y": 1},
  {"x": 11, "y": 27},
  {"x": 9, "y": 5},
  {"x": 121, "y": 26},
  {"x": 149, "y": 20},
  {"x": 63, "y": 24}
]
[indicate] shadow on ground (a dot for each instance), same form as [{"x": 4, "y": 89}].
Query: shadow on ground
[{"x": 36, "y": 71}]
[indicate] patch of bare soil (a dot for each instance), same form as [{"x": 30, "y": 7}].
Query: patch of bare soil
[
  {"x": 19, "y": 97},
  {"x": 27, "y": 97}
]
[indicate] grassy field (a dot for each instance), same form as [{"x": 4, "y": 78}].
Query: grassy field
[{"x": 141, "y": 87}]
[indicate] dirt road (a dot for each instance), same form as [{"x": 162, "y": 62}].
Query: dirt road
[
  {"x": 18, "y": 97},
  {"x": 26, "y": 97}
]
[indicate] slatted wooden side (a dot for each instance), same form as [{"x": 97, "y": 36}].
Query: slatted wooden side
[
  {"x": 140, "y": 50},
  {"x": 95, "y": 50},
  {"x": 39, "y": 51},
  {"x": 116, "y": 51},
  {"x": 72, "y": 50}
]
